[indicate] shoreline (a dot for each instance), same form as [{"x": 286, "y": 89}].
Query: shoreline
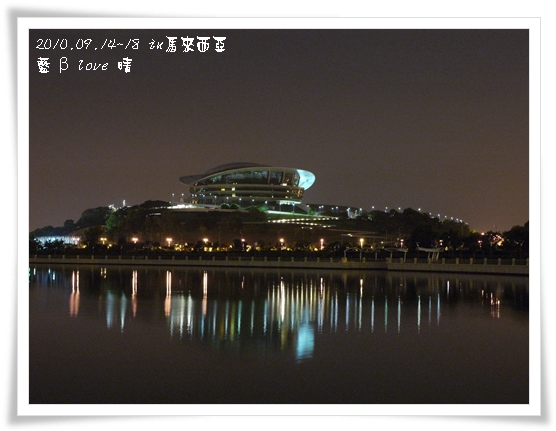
[{"x": 469, "y": 266}]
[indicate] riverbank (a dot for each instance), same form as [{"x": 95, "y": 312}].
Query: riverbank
[{"x": 482, "y": 266}]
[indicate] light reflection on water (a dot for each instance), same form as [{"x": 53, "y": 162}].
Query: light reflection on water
[
  {"x": 291, "y": 313},
  {"x": 284, "y": 309}
]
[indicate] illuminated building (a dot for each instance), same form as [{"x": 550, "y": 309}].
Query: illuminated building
[{"x": 249, "y": 184}]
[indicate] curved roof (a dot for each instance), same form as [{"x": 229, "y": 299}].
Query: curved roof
[
  {"x": 190, "y": 179},
  {"x": 306, "y": 178},
  {"x": 235, "y": 165}
]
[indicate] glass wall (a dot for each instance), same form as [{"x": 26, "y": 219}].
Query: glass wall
[{"x": 247, "y": 187}]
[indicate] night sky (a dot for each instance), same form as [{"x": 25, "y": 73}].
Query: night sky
[{"x": 436, "y": 120}]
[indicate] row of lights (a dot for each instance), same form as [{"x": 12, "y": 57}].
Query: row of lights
[
  {"x": 321, "y": 207},
  {"x": 169, "y": 240},
  {"x": 430, "y": 214},
  {"x": 135, "y": 240},
  {"x": 399, "y": 209},
  {"x": 282, "y": 242}
]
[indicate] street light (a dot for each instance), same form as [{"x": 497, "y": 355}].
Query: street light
[
  {"x": 321, "y": 243},
  {"x": 361, "y": 250},
  {"x": 169, "y": 241}
]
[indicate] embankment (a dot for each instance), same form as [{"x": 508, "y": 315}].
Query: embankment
[{"x": 482, "y": 266}]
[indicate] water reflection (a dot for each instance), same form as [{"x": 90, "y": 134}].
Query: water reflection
[
  {"x": 74, "y": 297},
  {"x": 281, "y": 311}
]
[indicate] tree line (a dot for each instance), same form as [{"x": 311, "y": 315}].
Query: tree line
[{"x": 152, "y": 223}]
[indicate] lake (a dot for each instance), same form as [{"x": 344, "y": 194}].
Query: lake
[{"x": 166, "y": 335}]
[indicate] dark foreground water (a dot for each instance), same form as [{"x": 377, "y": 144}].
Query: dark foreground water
[{"x": 166, "y": 335}]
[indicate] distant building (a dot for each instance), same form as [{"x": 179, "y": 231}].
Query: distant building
[
  {"x": 249, "y": 184},
  {"x": 65, "y": 239}
]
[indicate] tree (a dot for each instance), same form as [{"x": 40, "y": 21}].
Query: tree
[
  {"x": 94, "y": 217},
  {"x": 69, "y": 226},
  {"x": 116, "y": 222},
  {"x": 34, "y": 245},
  {"x": 54, "y": 246},
  {"x": 48, "y": 231},
  {"x": 92, "y": 235},
  {"x": 516, "y": 240},
  {"x": 422, "y": 235}
]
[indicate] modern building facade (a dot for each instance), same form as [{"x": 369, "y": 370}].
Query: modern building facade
[{"x": 249, "y": 184}]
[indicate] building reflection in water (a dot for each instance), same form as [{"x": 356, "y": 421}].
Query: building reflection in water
[
  {"x": 74, "y": 297},
  {"x": 257, "y": 310},
  {"x": 116, "y": 307},
  {"x": 134, "y": 294}
]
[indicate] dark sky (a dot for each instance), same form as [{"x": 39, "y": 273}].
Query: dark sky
[{"x": 429, "y": 119}]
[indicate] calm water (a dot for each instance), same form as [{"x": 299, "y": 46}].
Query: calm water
[{"x": 167, "y": 335}]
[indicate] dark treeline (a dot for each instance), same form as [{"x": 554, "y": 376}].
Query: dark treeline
[{"x": 152, "y": 225}]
